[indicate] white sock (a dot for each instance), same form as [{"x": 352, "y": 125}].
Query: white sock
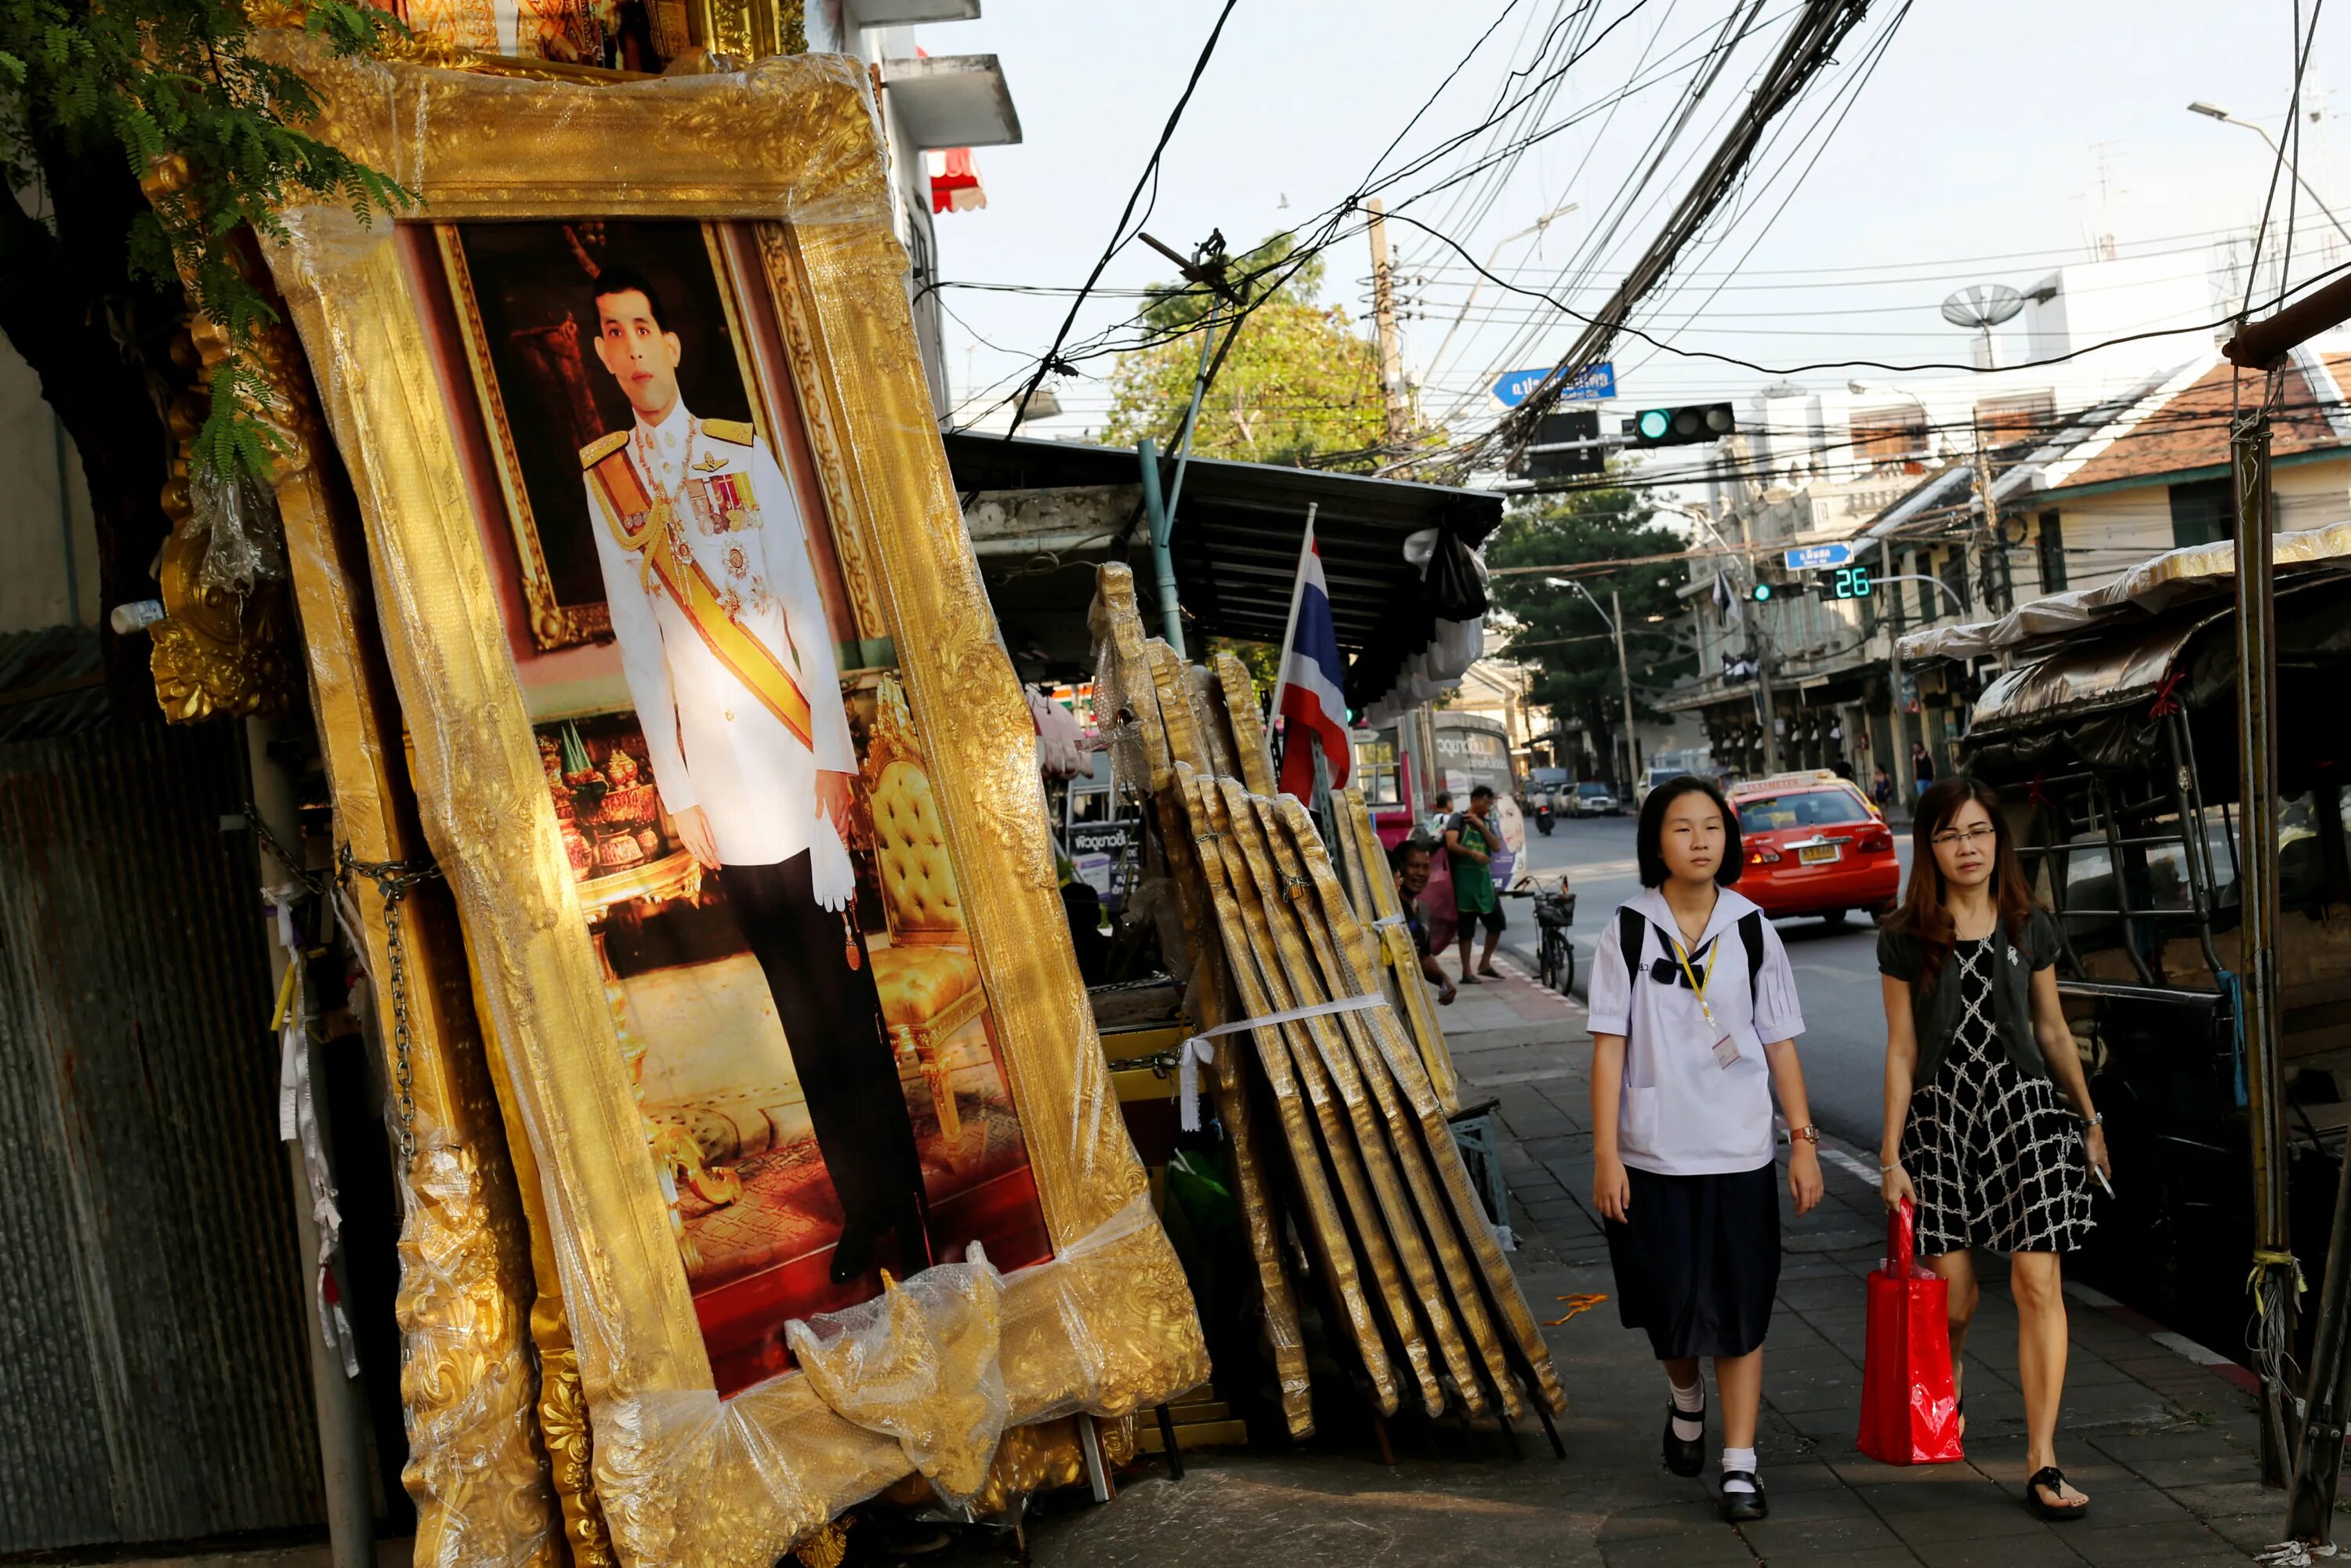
[
  {"x": 1738, "y": 1460},
  {"x": 1689, "y": 1411}
]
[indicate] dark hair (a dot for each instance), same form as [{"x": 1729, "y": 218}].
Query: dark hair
[
  {"x": 1648, "y": 839},
  {"x": 626, "y": 280},
  {"x": 1921, "y": 915},
  {"x": 1402, "y": 851},
  {"x": 1444, "y": 798},
  {"x": 1483, "y": 792}
]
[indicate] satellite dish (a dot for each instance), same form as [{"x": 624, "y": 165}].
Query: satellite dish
[{"x": 1982, "y": 305}]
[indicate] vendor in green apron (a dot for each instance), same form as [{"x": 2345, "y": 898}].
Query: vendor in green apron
[{"x": 1470, "y": 840}]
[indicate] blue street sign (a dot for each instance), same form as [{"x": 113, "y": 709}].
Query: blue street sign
[
  {"x": 1814, "y": 558},
  {"x": 1597, "y": 383}
]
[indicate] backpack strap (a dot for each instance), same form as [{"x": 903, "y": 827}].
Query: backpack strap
[
  {"x": 1630, "y": 926},
  {"x": 1750, "y": 933}
]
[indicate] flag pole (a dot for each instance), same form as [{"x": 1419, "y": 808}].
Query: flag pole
[{"x": 1290, "y": 626}]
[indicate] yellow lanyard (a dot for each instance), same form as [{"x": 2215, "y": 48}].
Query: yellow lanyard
[{"x": 1698, "y": 982}]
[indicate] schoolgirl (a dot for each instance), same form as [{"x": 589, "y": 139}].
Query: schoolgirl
[
  {"x": 1978, "y": 1055},
  {"x": 1693, "y": 1017}
]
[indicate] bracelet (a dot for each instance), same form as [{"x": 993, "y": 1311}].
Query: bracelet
[
  {"x": 2094, "y": 1119},
  {"x": 1889, "y": 1170}
]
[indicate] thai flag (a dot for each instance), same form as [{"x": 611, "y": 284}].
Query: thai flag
[{"x": 1307, "y": 696}]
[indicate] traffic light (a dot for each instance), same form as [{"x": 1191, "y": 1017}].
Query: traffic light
[
  {"x": 1682, "y": 426},
  {"x": 1762, "y": 592}
]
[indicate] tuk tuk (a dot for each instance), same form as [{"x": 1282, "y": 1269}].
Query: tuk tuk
[{"x": 2111, "y": 737}]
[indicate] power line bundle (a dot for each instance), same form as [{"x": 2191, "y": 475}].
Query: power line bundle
[{"x": 1333, "y": 1088}]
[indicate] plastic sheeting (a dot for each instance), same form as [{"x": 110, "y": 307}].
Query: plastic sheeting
[{"x": 2151, "y": 585}]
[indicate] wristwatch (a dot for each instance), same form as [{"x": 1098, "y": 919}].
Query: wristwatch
[
  {"x": 2094, "y": 1119},
  {"x": 1809, "y": 1133}
]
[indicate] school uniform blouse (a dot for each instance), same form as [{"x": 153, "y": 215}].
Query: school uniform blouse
[{"x": 1683, "y": 1112}]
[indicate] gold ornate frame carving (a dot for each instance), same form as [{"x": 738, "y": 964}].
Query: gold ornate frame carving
[{"x": 792, "y": 145}]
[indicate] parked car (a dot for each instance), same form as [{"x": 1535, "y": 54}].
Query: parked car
[
  {"x": 1650, "y": 780},
  {"x": 1594, "y": 798},
  {"x": 1816, "y": 848}
]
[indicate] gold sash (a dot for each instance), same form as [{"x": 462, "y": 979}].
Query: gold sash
[{"x": 642, "y": 524}]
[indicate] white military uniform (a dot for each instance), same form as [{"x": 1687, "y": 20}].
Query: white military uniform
[{"x": 713, "y": 742}]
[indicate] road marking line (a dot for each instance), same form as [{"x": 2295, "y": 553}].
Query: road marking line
[
  {"x": 1850, "y": 977},
  {"x": 1845, "y": 1162}
]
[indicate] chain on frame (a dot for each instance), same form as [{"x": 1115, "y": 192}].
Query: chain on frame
[{"x": 395, "y": 881}]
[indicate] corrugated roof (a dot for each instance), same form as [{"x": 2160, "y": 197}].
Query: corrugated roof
[{"x": 52, "y": 683}]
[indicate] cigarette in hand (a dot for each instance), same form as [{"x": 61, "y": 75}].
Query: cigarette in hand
[{"x": 2102, "y": 1181}]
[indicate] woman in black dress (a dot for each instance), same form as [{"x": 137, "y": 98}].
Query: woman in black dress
[{"x": 1979, "y": 1066}]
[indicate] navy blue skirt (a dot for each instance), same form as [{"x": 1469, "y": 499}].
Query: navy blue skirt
[{"x": 1697, "y": 1260}]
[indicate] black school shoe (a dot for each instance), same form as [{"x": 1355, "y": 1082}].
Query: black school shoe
[
  {"x": 1744, "y": 1507},
  {"x": 1685, "y": 1459}
]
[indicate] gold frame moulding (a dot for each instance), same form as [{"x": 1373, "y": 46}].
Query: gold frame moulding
[{"x": 787, "y": 150}]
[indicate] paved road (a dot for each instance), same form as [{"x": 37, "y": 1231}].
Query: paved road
[{"x": 1844, "y": 1042}]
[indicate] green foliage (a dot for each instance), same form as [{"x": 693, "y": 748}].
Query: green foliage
[
  {"x": 1261, "y": 660},
  {"x": 1559, "y": 636},
  {"x": 1299, "y": 383},
  {"x": 153, "y": 80}
]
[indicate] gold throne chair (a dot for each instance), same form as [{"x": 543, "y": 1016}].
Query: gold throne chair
[{"x": 927, "y": 977}]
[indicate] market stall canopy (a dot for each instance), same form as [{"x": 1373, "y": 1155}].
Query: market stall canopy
[
  {"x": 2151, "y": 586},
  {"x": 1042, "y": 514}
]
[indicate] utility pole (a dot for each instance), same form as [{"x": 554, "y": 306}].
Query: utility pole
[
  {"x": 1392, "y": 388},
  {"x": 1901, "y": 715},
  {"x": 1740, "y": 458},
  {"x": 1624, "y": 676},
  {"x": 1987, "y": 531}
]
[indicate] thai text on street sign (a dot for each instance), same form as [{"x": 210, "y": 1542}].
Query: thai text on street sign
[
  {"x": 1814, "y": 558},
  {"x": 1593, "y": 383}
]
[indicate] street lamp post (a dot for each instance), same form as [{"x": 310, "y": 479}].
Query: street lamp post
[
  {"x": 2214, "y": 111},
  {"x": 1758, "y": 634},
  {"x": 1624, "y": 667}
]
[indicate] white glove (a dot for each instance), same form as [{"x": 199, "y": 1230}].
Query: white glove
[{"x": 831, "y": 875}]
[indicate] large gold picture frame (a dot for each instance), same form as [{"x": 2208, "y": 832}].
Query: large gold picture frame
[{"x": 791, "y": 145}]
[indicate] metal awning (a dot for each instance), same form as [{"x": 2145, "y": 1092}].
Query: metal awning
[
  {"x": 951, "y": 101},
  {"x": 2168, "y": 579},
  {"x": 1237, "y": 529}
]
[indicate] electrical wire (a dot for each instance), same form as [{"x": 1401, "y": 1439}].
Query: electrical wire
[{"x": 1120, "y": 237}]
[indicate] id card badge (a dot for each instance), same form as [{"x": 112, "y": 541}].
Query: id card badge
[{"x": 1725, "y": 1051}]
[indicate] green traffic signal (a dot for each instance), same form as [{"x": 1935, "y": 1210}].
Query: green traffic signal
[
  {"x": 1762, "y": 591},
  {"x": 1654, "y": 422}
]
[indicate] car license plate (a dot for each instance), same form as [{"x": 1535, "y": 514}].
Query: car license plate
[{"x": 1814, "y": 854}]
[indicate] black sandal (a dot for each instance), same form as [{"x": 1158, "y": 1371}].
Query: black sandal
[
  {"x": 2053, "y": 1478},
  {"x": 1743, "y": 1507},
  {"x": 1685, "y": 1459}
]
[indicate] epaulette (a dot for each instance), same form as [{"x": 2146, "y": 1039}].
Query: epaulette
[
  {"x": 604, "y": 446},
  {"x": 733, "y": 431}
]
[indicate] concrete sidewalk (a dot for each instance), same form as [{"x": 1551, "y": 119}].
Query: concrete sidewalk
[{"x": 2164, "y": 1443}]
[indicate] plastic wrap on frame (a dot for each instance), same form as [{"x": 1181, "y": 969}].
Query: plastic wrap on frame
[{"x": 1107, "y": 1325}]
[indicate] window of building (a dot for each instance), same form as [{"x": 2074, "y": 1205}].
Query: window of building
[
  {"x": 2006, "y": 419},
  {"x": 2050, "y": 545},
  {"x": 1883, "y": 438},
  {"x": 1954, "y": 573},
  {"x": 2203, "y": 512}
]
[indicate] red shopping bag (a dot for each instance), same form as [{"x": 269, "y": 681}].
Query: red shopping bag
[{"x": 1909, "y": 1414}]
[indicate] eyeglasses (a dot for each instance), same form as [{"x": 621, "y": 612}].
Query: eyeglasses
[{"x": 1975, "y": 835}]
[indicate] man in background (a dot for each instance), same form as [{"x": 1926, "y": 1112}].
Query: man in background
[
  {"x": 1470, "y": 840},
  {"x": 1409, "y": 861}
]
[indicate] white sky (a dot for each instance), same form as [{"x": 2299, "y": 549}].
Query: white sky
[{"x": 1978, "y": 136}]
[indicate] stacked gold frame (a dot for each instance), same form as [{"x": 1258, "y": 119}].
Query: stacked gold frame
[{"x": 1399, "y": 1234}]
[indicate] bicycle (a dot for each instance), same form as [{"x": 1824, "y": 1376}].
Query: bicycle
[{"x": 1554, "y": 912}]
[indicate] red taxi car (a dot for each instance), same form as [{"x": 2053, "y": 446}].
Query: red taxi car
[{"x": 1814, "y": 848}]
